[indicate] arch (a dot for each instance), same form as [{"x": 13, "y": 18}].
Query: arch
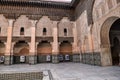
[
  {"x": 65, "y": 51},
  {"x": 21, "y": 50},
  {"x": 44, "y": 48},
  {"x": 66, "y": 47},
  {"x": 24, "y": 51},
  {"x": 97, "y": 5},
  {"x": 106, "y": 58},
  {"x": 114, "y": 41},
  {"x": 2, "y": 52},
  {"x": 104, "y": 32},
  {"x": 44, "y": 52}
]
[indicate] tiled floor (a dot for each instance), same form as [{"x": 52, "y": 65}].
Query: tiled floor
[{"x": 68, "y": 71}]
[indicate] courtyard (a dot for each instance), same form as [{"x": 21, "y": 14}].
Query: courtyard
[{"x": 67, "y": 71}]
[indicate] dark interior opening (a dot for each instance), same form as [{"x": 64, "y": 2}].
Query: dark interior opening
[
  {"x": 114, "y": 41},
  {"x": 22, "y": 31}
]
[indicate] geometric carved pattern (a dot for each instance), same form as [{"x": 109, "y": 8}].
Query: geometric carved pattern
[{"x": 91, "y": 58}]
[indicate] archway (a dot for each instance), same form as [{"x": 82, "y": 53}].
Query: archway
[
  {"x": 115, "y": 51},
  {"x": 114, "y": 41},
  {"x": 21, "y": 52},
  {"x": 106, "y": 57},
  {"x": 65, "y": 51},
  {"x": 2, "y": 52},
  {"x": 44, "y": 52}
]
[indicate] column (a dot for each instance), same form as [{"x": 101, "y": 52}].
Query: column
[
  {"x": 37, "y": 56},
  {"x": 76, "y": 54},
  {"x": 106, "y": 58},
  {"x": 55, "y": 45},
  {"x": 12, "y": 52},
  {"x": 32, "y": 54},
  {"x": 8, "y": 57}
]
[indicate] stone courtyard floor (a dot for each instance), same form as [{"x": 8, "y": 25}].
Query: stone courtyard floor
[{"x": 68, "y": 71}]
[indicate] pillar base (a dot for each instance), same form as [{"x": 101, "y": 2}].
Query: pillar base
[
  {"x": 8, "y": 60},
  {"x": 105, "y": 53},
  {"x": 32, "y": 59},
  {"x": 55, "y": 59},
  {"x": 76, "y": 57}
]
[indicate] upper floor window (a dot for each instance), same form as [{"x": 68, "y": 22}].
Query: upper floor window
[
  {"x": 0, "y": 29},
  {"x": 44, "y": 31},
  {"x": 22, "y": 31},
  {"x": 65, "y": 32}
]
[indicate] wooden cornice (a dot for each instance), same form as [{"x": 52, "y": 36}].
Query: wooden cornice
[
  {"x": 35, "y": 13},
  {"x": 36, "y": 3},
  {"x": 36, "y": 9}
]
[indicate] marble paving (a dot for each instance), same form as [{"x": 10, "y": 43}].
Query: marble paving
[{"x": 68, "y": 71}]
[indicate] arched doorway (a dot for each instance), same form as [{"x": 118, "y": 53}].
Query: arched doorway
[
  {"x": 107, "y": 40},
  {"x": 44, "y": 52},
  {"x": 114, "y": 41},
  {"x": 21, "y": 52},
  {"x": 65, "y": 51},
  {"x": 2, "y": 52},
  {"x": 115, "y": 51}
]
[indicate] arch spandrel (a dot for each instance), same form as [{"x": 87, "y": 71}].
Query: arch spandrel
[
  {"x": 104, "y": 32},
  {"x": 65, "y": 23},
  {"x": 44, "y": 22},
  {"x": 4, "y": 24},
  {"x": 24, "y": 22}
]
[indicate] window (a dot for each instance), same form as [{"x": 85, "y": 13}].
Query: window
[
  {"x": 65, "y": 32},
  {"x": 44, "y": 31},
  {"x": 0, "y": 29},
  {"x": 22, "y": 31}
]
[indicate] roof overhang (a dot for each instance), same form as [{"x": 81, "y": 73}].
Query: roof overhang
[
  {"x": 61, "y": 1},
  {"x": 43, "y": 3}
]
